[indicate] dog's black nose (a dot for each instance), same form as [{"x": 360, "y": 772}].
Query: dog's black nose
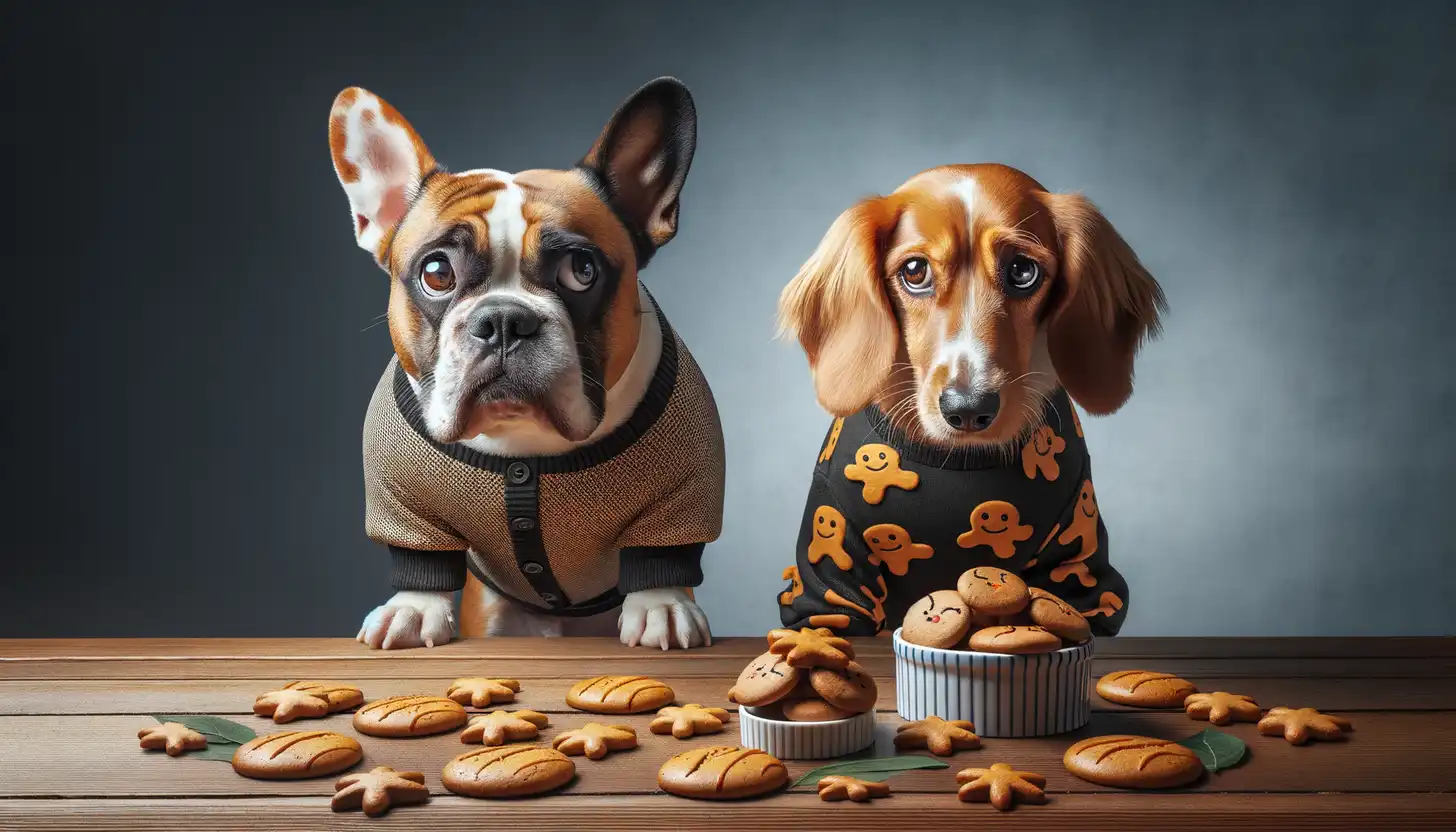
[
  {"x": 504, "y": 324},
  {"x": 969, "y": 411}
]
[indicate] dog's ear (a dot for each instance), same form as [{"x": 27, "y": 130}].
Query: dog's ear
[
  {"x": 380, "y": 161},
  {"x": 642, "y": 159},
  {"x": 1105, "y": 307},
  {"x": 837, "y": 307}
]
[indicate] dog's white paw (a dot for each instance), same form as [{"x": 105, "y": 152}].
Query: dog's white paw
[
  {"x": 663, "y": 618},
  {"x": 410, "y": 619}
]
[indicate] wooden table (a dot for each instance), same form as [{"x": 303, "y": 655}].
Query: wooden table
[{"x": 70, "y": 710}]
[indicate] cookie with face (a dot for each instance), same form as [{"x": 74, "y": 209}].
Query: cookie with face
[
  {"x": 993, "y": 591},
  {"x": 940, "y": 619},
  {"x": 878, "y": 467},
  {"x": 850, "y": 689},
  {"x": 997, "y": 524},
  {"x": 827, "y": 540},
  {"x": 765, "y": 680}
]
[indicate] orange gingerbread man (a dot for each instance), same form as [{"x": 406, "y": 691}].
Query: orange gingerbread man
[
  {"x": 833, "y": 440},
  {"x": 1107, "y": 604},
  {"x": 1040, "y": 454},
  {"x": 1084, "y": 528},
  {"x": 876, "y": 615},
  {"x": 878, "y": 467},
  {"x": 828, "y": 538},
  {"x": 995, "y": 523},
  {"x": 796, "y": 586},
  {"x": 891, "y": 545}
]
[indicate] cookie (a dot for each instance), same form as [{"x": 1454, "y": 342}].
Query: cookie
[
  {"x": 409, "y": 716},
  {"x": 1132, "y": 762},
  {"x": 296, "y": 755},
  {"x": 1300, "y": 725},
  {"x": 1014, "y": 640},
  {"x": 480, "y": 692},
  {"x": 993, "y": 591},
  {"x": 508, "y": 771},
  {"x": 837, "y": 787},
  {"x": 288, "y": 705},
  {"x": 997, "y": 524},
  {"x": 942, "y": 737},
  {"x": 501, "y": 727},
  {"x": 878, "y": 467},
  {"x": 850, "y": 689},
  {"x": 1144, "y": 689},
  {"x": 595, "y": 740},
  {"x": 379, "y": 790},
  {"x": 1057, "y": 616},
  {"x": 688, "y": 721},
  {"x": 940, "y": 619},
  {"x": 811, "y": 648},
  {"x": 722, "y": 772},
  {"x": 173, "y": 737},
  {"x": 619, "y": 695},
  {"x": 1001, "y": 786},
  {"x": 1221, "y": 708},
  {"x": 340, "y": 697},
  {"x": 813, "y": 710},
  {"x": 766, "y": 679}
]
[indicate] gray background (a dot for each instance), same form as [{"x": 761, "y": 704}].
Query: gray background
[{"x": 186, "y": 317}]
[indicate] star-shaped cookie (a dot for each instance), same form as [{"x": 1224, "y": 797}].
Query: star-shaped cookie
[
  {"x": 379, "y": 790},
  {"x": 811, "y": 648},
  {"x": 1300, "y": 725},
  {"x": 480, "y": 692},
  {"x": 595, "y": 740},
  {"x": 1001, "y": 786},
  {"x": 175, "y": 737},
  {"x": 941, "y": 737},
  {"x": 287, "y": 705},
  {"x": 1221, "y": 707},
  {"x": 501, "y": 727},
  {"x": 837, "y": 787},
  {"x": 688, "y": 720}
]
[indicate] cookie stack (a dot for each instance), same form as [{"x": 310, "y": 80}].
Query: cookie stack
[
  {"x": 807, "y": 675},
  {"x": 1000, "y": 614}
]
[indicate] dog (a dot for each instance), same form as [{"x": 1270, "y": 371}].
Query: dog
[
  {"x": 542, "y": 438},
  {"x": 949, "y": 327}
]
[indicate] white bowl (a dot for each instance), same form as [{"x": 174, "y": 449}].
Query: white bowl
[
  {"x": 1005, "y": 696},
  {"x": 806, "y": 740}
]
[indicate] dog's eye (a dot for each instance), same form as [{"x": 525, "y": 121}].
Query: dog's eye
[
  {"x": 1021, "y": 274},
  {"x": 436, "y": 276},
  {"x": 916, "y": 276},
  {"x": 578, "y": 271}
]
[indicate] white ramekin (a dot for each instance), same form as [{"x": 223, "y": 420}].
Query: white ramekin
[
  {"x": 806, "y": 740},
  {"x": 1005, "y": 696}
]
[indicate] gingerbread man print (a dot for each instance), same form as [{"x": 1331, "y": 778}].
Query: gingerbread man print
[
  {"x": 891, "y": 545},
  {"x": 995, "y": 523},
  {"x": 796, "y": 586},
  {"x": 1083, "y": 527},
  {"x": 1040, "y": 454},
  {"x": 833, "y": 440},
  {"x": 828, "y": 538},
  {"x": 878, "y": 467},
  {"x": 1108, "y": 604}
]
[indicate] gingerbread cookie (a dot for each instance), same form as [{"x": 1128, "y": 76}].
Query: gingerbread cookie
[
  {"x": 296, "y": 755},
  {"x": 340, "y": 697},
  {"x": 1300, "y": 725},
  {"x": 811, "y": 648},
  {"x": 595, "y": 740},
  {"x": 992, "y": 591},
  {"x": 722, "y": 772},
  {"x": 287, "y": 705},
  {"x": 1001, "y": 786},
  {"x": 409, "y": 716},
  {"x": 850, "y": 689},
  {"x": 480, "y": 692},
  {"x": 379, "y": 790},
  {"x": 1144, "y": 689},
  {"x": 1221, "y": 708},
  {"x": 997, "y": 524},
  {"x": 501, "y": 727},
  {"x": 838, "y": 787},
  {"x": 688, "y": 721},
  {"x": 828, "y": 538},
  {"x": 619, "y": 695},
  {"x": 508, "y": 771},
  {"x": 173, "y": 737},
  {"x": 1039, "y": 456},
  {"x": 766, "y": 679},
  {"x": 1057, "y": 616},
  {"x": 1125, "y": 761},
  {"x": 891, "y": 545},
  {"x": 940, "y": 619},
  {"x": 878, "y": 467},
  {"x": 1013, "y": 640},
  {"x": 813, "y": 710},
  {"x": 942, "y": 737}
]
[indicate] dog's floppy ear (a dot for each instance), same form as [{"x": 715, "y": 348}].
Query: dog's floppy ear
[
  {"x": 642, "y": 159},
  {"x": 1107, "y": 305},
  {"x": 380, "y": 161},
  {"x": 837, "y": 307}
]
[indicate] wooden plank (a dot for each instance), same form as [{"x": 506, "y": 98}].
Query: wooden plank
[
  {"x": 235, "y": 696},
  {"x": 97, "y": 756},
  {"x": 1113, "y": 812}
]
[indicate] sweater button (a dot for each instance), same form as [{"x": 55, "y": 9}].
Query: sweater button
[
  {"x": 523, "y": 524},
  {"x": 548, "y": 597},
  {"x": 531, "y": 567},
  {"x": 518, "y": 473}
]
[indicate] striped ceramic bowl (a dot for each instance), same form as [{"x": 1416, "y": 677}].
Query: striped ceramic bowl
[
  {"x": 1005, "y": 696},
  {"x": 806, "y": 740}
]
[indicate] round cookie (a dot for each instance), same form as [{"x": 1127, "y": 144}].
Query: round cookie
[
  {"x": 993, "y": 591},
  {"x": 508, "y": 771},
  {"x": 1126, "y": 761},
  {"x": 409, "y": 716},
  {"x": 813, "y": 710},
  {"x": 1145, "y": 689},
  {"x": 940, "y": 619},
  {"x": 619, "y": 695},
  {"x": 296, "y": 755},
  {"x": 1015, "y": 640},
  {"x": 766, "y": 679},
  {"x": 1057, "y": 616},
  {"x": 851, "y": 689},
  {"x": 722, "y": 772}
]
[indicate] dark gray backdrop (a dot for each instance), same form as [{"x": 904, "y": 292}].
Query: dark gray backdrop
[{"x": 186, "y": 317}]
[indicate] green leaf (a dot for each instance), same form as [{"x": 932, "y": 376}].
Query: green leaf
[
  {"x": 222, "y": 753},
  {"x": 217, "y": 730},
  {"x": 1216, "y": 749},
  {"x": 873, "y": 768}
]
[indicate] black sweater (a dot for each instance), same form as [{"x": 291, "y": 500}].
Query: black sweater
[{"x": 889, "y": 521}]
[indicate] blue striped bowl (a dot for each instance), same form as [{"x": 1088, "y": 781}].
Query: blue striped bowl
[
  {"x": 1005, "y": 696},
  {"x": 806, "y": 740}
]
